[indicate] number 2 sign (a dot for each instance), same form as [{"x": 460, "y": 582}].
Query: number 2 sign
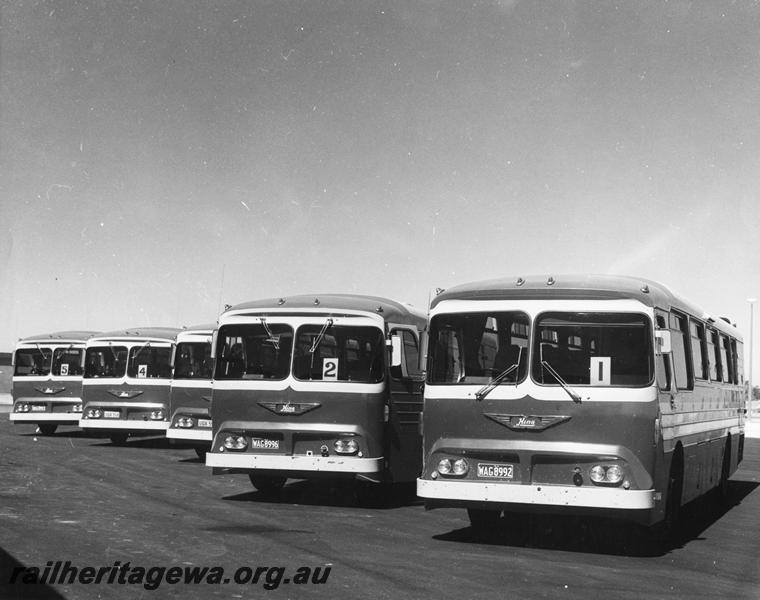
[{"x": 330, "y": 369}]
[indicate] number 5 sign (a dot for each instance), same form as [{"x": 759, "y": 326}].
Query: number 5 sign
[{"x": 330, "y": 369}]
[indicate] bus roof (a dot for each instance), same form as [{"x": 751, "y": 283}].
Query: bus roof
[
  {"x": 195, "y": 331},
  {"x": 333, "y": 304},
  {"x": 581, "y": 287},
  {"x": 60, "y": 337},
  {"x": 137, "y": 333}
]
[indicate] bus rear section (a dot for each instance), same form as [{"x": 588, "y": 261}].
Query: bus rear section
[
  {"x": 47, "y": 380},
  {"x": 190, "y": 390},
  {"x": 547, "y": 396},
  {"x": 306, "y": 387},
  {"x": 125, "y": 389}
]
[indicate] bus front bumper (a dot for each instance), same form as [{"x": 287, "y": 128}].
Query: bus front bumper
[
  {"x": 198, "y": 435},
  {"x": 124, "y": 424},
  {"x": 463, "y": 492},
  {"x": 303, "y": 464}
]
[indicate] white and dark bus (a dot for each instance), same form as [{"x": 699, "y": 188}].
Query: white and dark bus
[
  {"x": 591, "y": 395},
  {"x": 190, "y": 390},
  {"x": 323, "y": 386},
  {"x": 47, "y": 380},
  {"x": 126, "y": 382}
]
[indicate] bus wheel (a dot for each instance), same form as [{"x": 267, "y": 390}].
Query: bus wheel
[
  {"x": 47, "y": 428},
  {"x": 201, "y": 452},
  {"x": 267, "y": 484},
  {"x": 483, "y": 520},
  {"x": 119, "y": 438}
]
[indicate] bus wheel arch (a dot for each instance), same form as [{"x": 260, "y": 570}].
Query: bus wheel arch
[
  {"x": 725, "y": 472},
  {"x": 674, "y": 492},
  {"x": 267, "y": 484},
  {"x": 47, "y": 428}
]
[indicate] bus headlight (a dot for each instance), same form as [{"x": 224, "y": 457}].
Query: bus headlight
[
  {"x": 349, "y": 446},
  {"x": 22, "y": 407},
  {"x": 184, "y": 422},
  {"x": 456, "y": 467},
  {"x": 460, "y": 467},
  {"x": 157, "y": 415},
  {"x": 235, "y": 442},
  {"x": 606, "y": 474},
  {"x": 94, "y": 413}
]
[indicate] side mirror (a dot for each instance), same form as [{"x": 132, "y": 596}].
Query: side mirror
[
  {"x": 396, "y": 351},
  {"x": 214, "y": 336},
  {"x": 662, "y": 341}
]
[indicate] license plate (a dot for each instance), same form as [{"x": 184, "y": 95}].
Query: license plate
[
  {"x": 496, "y": 471},
  {"x": 265, "y": 444},
  {"x": 204, "y": 423},
  {"x": 38, "y": 408},
  {"x": 111, "y": 414}
]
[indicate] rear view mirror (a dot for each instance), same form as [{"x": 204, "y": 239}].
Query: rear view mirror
[
  {"x": 662, "y": 341},
  {"x": 395, "y": 351}
]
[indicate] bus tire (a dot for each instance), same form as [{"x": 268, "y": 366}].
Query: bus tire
[
  {"x": 267, "y": 484},
  {"x": 201, "y": 452},
  {"x": 47, "y": 428},
  {"x": 484, "y": 520},
  {"x": 119, "y": 438}
]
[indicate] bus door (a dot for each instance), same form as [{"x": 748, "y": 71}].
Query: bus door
[{"x": 406, "y": 380}]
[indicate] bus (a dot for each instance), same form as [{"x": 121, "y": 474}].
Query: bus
[
  {"x": 125, "y": 388},
  {"x": 325, "y": 386},
  {"x": 586, "y": 395},
  {"x": 190, "y": 389},
  {"x": 47, "y": 380}
]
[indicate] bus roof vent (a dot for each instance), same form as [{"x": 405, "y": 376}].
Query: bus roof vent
[
  {"x": 379, "y": 309},
  {"x": 316, "y": 301},
  {"x": 281, "y": 301},
  {"x": 550, "y": 281},
  {"x": 520, "y": 281},
  {"x": 645, "y": 289}
]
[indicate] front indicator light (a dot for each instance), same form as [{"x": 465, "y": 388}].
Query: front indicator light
[{"x": 235, "y": 442}]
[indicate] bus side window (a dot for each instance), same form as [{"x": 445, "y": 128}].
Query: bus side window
[
  {"x": 680, "y": 352},
  {"x": 699, "y": 350},
  {"x": 664, "y": 376}
]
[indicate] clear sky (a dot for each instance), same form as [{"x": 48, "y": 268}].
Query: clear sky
[{"x": 159, "y": 159}]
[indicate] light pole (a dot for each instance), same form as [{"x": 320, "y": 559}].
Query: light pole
[{"x": 751, "y": 334}]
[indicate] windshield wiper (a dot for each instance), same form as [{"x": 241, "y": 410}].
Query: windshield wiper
[
  {"x": 270, "y": 336},
  {"x": 318, "y": 339},
  {"x": 574, "y": 395},
  {"x": 139, "y": 351},
  {"x": 488, "y": 388}
]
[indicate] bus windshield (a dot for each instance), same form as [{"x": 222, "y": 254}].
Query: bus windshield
[
  {"x": 152, "y": 362},
  {"x": 193, "y": 361},
  {"x": 339, "y": 353},
  {"x": 67, "y": 361},
  {"x": 593, "y": 349},
  {"x": 256, "y": 351},
  {"x": 32, "y": 361},
  {"x": 105, "y": 361},
  {"x": 475, "y": 348}
]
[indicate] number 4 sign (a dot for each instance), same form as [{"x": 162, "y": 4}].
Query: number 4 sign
[{"x": 330, "y": 369}]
